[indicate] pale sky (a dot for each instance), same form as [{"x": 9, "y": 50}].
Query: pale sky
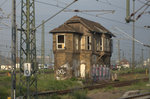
[{"x": 109, "y": 20}]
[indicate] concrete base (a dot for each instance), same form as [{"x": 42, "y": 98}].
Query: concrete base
[{"x": 130, "y": 93}]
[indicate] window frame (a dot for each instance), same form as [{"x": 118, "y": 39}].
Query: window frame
[{"x": 57, "y": 44}]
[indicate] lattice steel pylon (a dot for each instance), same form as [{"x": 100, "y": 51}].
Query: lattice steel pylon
[{"x": 28, "y": 74}]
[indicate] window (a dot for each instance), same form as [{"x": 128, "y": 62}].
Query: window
[
  {"x": 88, "y": 42},
  {"x": 106, "y": 44},
  {"x": 60, "y": 41},
  {"x": 111, "y": 45},
  {"x": 76, "y": 42},
  {"x": 97, "y": 44},
  {"x": 101, "y": 44},
  {"x": 83, "y": 42}
]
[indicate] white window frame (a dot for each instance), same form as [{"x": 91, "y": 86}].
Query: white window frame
[{"x": 63, "y": 44}]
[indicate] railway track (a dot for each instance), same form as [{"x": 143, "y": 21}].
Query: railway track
[{"x": 91, "y": 87}]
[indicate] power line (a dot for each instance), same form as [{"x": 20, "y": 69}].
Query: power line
[
  {"x": 3, "y": 3},
  {"x": 110, "y": 19},
  {"x": 55, "y": 14},
  {"x": 48, "y": 4},
  {"x": 90, "y": 14},
  {"x": 111, "y": 4},
  {"x": 143, "y": 2}
]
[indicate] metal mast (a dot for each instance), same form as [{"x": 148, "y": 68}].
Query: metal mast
[
  {"x": 28, "y": 66},
  {"x": 119, "y": 52},
  {"x": 133, "y": 35},
  {"x": 13, "y": 51},
  {"x": 142, "y": 58},
  {"x": 43, "y": 46}
]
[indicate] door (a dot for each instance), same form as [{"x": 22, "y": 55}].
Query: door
[{"x": 82, "y": 70}]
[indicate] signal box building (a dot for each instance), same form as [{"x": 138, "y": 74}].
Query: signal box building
[{"x": 77, "y": 45}]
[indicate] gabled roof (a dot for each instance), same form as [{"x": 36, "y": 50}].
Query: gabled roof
[
  {"x": 90, "y": 25},
  {"x": 65, "y": 28}
]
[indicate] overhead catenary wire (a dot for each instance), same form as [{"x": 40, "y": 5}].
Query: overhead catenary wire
[
  {"x": 90, "y": 14},
  {"x": 116, "y": 28},
  {"x": 112, "y": 20},
  {"x": 142, "y": 13},
  {"x": 139, "y": 9},
  {"x": 143, "y": 2},
  {"x": 56, "y": 14},
  {"x": 48, "y": 4},
  {"x": 111, "y": 4}
]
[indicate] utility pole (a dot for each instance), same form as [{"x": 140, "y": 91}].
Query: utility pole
[
  {"x": 128, "y": 19},
  {"x": 17, "y": 59},
  {"x": 118, "y": 51},
  {"x": 43, "y": 46},
  {"x": 28, "y": 64},
  {"x": 133, "y": 35},
  {"x": 127, "y": 11},
  {"x": 13, "y": 51},
  {"x": 149, "y": 65},
  {"x": 142, "y": 56}
]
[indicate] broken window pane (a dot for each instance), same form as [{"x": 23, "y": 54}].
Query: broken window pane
[
  {"x": 60, "y": 38},
  {"x": 89, "y": 42},
  {"x": 60, "y": 41}
]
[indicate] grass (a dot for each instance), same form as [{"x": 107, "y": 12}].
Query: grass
[
  {"x": 46, "y": 82},
  {"x": 5, "y": 87},
  {"x": 129, "y": 71}
]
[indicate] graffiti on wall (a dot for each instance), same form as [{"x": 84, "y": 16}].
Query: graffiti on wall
[
  {"x": 62, "y": 71},
  {"x": 100, "y": 72}
]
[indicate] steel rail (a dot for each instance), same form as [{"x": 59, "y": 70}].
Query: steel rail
[{"x": 91, "y": 87}]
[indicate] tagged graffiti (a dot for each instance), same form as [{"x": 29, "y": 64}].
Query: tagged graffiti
[
  {"x": 100, "y": 72},
  {"x": 61, "y": 72}
]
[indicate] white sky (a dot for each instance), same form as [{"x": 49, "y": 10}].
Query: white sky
[{"x": 44, "y": 11}]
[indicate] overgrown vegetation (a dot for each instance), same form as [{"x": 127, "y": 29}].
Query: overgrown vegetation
[
  {"x": 5, "y": 87},
  {"x": 46, "y": 82},
  {"x": 130, "y": 71}
]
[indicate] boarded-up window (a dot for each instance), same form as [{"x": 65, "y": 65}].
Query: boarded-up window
[{"x": 60, "y": 41}]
